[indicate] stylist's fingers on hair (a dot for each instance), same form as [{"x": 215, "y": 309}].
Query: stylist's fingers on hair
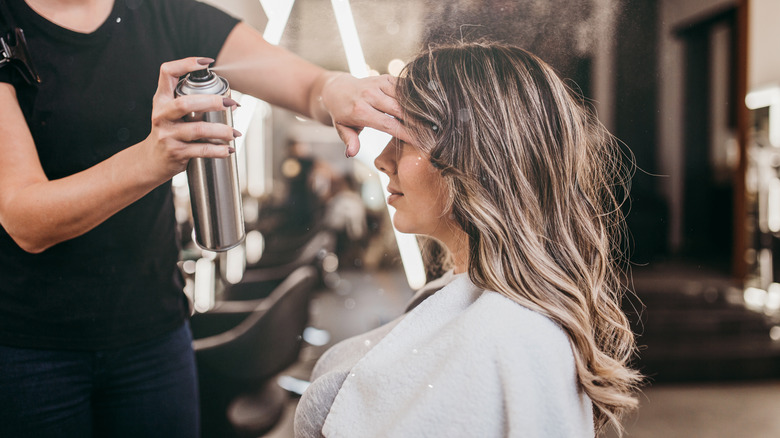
[
  {"x": 357, "y": 103},
  {"x": 386, "y": 103}
]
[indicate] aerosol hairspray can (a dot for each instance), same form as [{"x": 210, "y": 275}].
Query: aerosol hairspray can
[{"x": 213, "y": 182}]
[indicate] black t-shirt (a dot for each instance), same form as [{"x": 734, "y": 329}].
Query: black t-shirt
[{"x": 117, "y": 284}]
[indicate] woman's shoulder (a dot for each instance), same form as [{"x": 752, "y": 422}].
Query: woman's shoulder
[{"x": 513, "y": 327}]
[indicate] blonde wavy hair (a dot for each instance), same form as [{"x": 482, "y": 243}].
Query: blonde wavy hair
[{"x": 537, "y": 183}]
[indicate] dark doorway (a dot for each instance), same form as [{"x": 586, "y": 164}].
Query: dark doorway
[{"x": 708, "y": 182}]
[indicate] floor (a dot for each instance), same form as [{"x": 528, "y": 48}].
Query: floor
[{"x": 359, "y": 301}]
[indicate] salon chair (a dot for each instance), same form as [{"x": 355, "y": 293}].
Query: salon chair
[{"x": 237, "y": 366}]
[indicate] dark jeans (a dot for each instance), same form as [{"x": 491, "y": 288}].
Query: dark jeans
[{"x": 146, "y": 390}]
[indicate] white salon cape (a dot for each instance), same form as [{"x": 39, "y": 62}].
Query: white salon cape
[{"x": 463, "y": 363}]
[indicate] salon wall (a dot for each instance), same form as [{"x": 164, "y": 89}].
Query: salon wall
[{"x": 764, "y": 33}]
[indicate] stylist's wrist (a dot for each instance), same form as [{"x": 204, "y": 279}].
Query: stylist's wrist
[{"x": 323, "y": 96}]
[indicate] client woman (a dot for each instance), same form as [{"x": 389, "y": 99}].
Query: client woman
[{"x": 517, "y": 178}]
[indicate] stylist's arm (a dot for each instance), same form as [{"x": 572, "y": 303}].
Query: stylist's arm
[
  {"x": 270, "y": 73},
  {"x": 38, "y": 213}
]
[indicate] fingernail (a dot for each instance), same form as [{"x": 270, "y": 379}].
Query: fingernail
[
  {"x": 347, "y": 153},
  {"x": 229, "y": 102},
  {"x": 231, "y": 149},
  {"x": 236, "y": 133},
  {"x": 205, "y": 61}
]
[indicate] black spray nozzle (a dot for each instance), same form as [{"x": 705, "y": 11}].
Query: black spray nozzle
[
  {"x": 204, "y": 75},
  {"x": 13, "y": 49}
]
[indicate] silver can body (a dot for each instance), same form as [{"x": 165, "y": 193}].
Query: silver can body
[{"x": 215, "y": 196}]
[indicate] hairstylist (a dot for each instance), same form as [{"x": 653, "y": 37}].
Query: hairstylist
[{"x": 93, "y": 333}]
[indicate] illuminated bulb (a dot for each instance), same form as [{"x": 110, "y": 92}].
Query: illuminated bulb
[
  {"x": 774, "y": 333},
  {"x": 767, "y": 97},
  {"x": 291, "y": 168},
  {"x": 316, "y": 336},
  {"x": 773, "y": 205},
  {"x": 182, "y": 215},
  {"x": 330, "y": 263},
  {"x": 395, "y": 66},
  {"x": 234, "y": 265},
  {"x": 180, "y": 179},
  {"x": 755, "y": 297},
  {"x": 773, "y": 297},
  {"x": 188, "y": 267},
  {"x": 203, "y": 292},
  {"x": 292, "y": 384},
  {"x": 255, "y": 244}
]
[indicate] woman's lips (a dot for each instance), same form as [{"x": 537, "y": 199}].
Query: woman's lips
[{"x": 394, "y": 197}]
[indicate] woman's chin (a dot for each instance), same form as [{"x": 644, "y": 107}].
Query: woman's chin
[
  {"x": 402, "y": 226},
  {"x": 402, "y": 229}
]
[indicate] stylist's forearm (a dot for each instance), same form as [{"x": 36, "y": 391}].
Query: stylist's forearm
[
  {"x": 49, "y": 212},
  {"x": 253, "y": 66}
]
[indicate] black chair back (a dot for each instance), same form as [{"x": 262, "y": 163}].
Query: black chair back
[
  {"x": 240, "y": 347},
  {"x": 267, "y": 340}
]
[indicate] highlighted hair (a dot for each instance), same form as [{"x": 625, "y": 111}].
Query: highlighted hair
[{"x": 537, "y": 183}]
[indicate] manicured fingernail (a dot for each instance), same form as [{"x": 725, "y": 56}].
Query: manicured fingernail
[
  {"x": 236, "y": 134},
  {"x": 229, "y": 102},
  {"x": 205, "y": 61},
  {"x": 231, "y": 149}
]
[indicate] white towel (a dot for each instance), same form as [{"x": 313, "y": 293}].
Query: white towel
[{"x": 464, "y": 363}]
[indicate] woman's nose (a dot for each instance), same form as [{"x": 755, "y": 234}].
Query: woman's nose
[{"x": 384, "y": 162}]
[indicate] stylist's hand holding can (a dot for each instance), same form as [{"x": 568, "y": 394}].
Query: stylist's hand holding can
[{"x": 172, "y": 141}]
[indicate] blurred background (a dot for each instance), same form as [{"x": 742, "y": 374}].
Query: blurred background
[{"x": 692, "y": 87}]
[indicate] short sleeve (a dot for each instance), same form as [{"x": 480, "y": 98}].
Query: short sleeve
[{"x": 197, "y": 28}]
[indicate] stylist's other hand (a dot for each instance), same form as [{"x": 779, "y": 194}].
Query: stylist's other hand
[
  {"x": 357, "y": 103},
  {"x": 173, "y": 141}
]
